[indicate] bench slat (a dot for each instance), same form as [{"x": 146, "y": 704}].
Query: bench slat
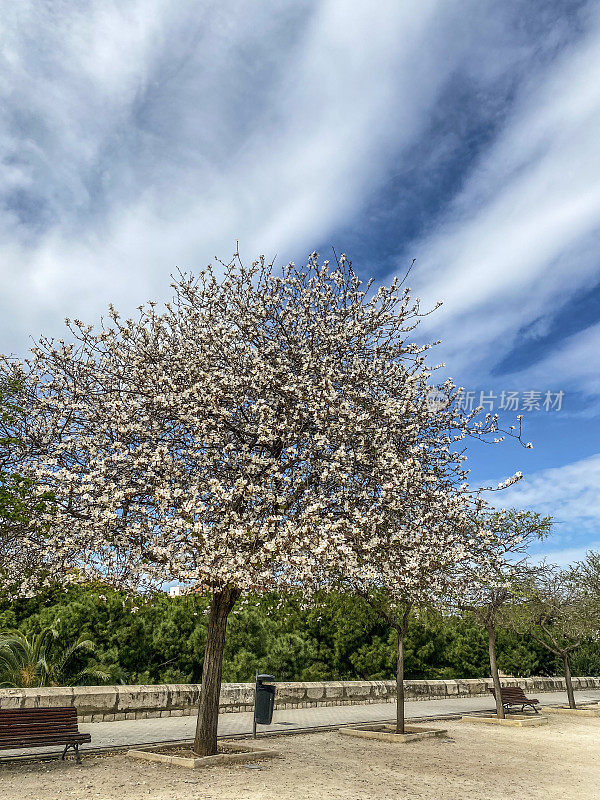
[
  {"x": 6, "y": 740},
  {"x": 37, "y": 727},
  {"x": 33, "y": 718},
  {"x": 46, "y": 731},
  {"x": 33, "y": 712},
  {"x": 49, "y": 726}
]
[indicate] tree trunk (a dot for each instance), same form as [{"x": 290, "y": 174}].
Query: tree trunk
[
  {"x": 205, "y": 743},
  {"x": 494, "y": 670},
  {"x": 400, "y": 683},
  {"x": 569, "y": 680}
]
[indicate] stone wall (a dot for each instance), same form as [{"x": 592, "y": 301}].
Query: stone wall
[{"x": 106, "y": 703}]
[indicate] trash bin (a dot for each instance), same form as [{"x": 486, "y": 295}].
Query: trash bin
[{"x": 264, "y": 700}]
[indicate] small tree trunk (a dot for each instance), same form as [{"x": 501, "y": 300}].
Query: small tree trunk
[
  {"x": 569, "y": 680},
  {"x": 205, "y": 743},
  {"x": 494, "y": 670},
  {"x": 400, "y": 683}
]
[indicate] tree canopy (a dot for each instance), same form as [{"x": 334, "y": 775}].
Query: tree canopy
[{"x": 267, "y": 430}]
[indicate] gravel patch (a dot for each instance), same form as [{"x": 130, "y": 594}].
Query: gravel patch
[{"x": 558, "y": 761}]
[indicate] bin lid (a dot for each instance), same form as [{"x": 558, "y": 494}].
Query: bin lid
[{"x": 263, "y": 677}]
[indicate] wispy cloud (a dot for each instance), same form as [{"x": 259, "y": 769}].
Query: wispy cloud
[
  {"x": 573, "y": 363},
  {"x": 141, "y": 135},
  {"x": 566, "y": 556},
  {"x": 570, "y": 495},
  {"x": 523, "y": 234},
  {"x": 137, "y": 136}
]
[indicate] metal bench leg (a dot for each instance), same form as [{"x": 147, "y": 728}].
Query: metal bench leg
[{"x": 75, "y": 747}]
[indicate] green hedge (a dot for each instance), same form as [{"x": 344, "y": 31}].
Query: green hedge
[{"x": 161, "y": 639}]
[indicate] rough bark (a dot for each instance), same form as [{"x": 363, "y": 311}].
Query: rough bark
[
  {"x": 494, "y": 670},
  {"x": 205, "y": 743},
  {"x": 400, "y": 683},
  {"x": 568, "y": 679}
]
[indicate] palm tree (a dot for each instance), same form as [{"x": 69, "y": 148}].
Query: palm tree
[{"x": 38, "y": 662}]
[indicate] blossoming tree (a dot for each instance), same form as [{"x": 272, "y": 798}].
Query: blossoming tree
[
  {"x": 454, "y": 556},
  {"x": 501, "y": 578},
  {"x": 25, "y": 560},
  {"x": 414, "y": 575},
  {"x": 257, "y": 433}
]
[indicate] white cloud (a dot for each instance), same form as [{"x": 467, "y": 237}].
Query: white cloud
[
  {"x": 141, "y": 136},
  {"x": 575, "y": 362},
  {"x": 524, "y": 232},
  {"x": 570, "y": 495},
  {"x": 565, "y": 556}
]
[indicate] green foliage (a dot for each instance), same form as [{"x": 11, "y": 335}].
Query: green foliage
[
  {"x": 586, "y": 576},
  {"x": 44, "y": 660},
  {"x": 160, "y": 639},
  {"x": 18, "y": 504},
  {"x": 13, "y": 489}
]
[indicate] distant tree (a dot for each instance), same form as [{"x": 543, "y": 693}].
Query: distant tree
[
  {"x": 413, "y": 581},
  {"x": 586, "y": 575},
  {"x": 160, "y": 639},
  {"x": 560, "y": 615},
  {"x": 504, "y": 582},
  {"x": 452, "y": 555}
]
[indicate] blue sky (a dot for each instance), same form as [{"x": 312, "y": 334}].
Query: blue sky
[{"x": 137, "y": 136}]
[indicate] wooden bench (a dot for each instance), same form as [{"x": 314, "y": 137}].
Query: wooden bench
[
  {"x": 39, "y": 727},
  {"x": 515, "y": 696}
]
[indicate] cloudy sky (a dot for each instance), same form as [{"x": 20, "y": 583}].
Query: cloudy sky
[{"x": 137, "y": 136}]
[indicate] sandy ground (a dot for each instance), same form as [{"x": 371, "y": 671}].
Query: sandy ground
[{"x": 560, "y": 760}]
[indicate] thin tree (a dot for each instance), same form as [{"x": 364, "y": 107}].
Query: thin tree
[
  {"x": 560, "y": 615},
  {"x": 505, "y": 579},
  {"x": 257, "y": 433},
  {"x": 397, "y": 612},
  {"x": 414, "y": 579},
  {"x": 438, "y": 562}
]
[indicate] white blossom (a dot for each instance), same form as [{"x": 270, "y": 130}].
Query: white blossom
[{"x": 263, "y": 431}]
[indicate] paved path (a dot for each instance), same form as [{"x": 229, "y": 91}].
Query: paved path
[{"x": 145, "y": 731}]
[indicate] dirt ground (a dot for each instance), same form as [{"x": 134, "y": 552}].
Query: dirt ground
[{"x": 477, "y": 762}]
